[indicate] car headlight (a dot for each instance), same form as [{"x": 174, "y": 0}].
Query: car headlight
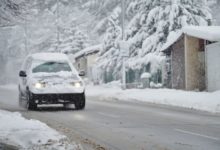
[
  {"x": 77, "y": 84},
  {"x": 39, "y": 85}
]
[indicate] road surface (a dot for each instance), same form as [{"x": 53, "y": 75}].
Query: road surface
[{"x": 127, "y": 125}]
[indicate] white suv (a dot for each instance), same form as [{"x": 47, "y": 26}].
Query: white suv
[{"x": 50, "y": 78}]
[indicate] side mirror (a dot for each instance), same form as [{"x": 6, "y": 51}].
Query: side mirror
[
  {"x": 22, "y": 74},
  {"x": 82, "y": 73}
]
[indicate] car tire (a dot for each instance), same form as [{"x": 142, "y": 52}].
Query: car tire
[
  {"x": 81, "y": 102},
  {"x": 19, "y": 98},
  {"x": 30, "y": 103}
]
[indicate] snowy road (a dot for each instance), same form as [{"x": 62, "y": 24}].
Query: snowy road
[{"x": 127, "y": 125}]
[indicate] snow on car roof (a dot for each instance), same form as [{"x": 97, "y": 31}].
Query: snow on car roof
[
  {"x": 211, "y": 33},
  {"x": 49, "y": 56}
]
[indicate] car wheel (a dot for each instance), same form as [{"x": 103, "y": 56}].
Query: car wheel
[
  {"x": 81, "y": 103},
  {"x": 19, "y": 97},
  {"x": 30, "y": 103}
]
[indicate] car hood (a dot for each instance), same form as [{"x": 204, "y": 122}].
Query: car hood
[
  {"x": 55, "y": 78},
  {"x": 56, "y": 82}
]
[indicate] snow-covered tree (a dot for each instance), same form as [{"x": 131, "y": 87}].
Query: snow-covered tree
[
  {"x": 35, "y": 27},
  {"x": 149, "y": 24},
  {"x": 72, "y": 41},
  {"x": 215, "y": 9},
  {"x": 150, "y": 28},
  {"x": 10, "y": 12},
  {"x": 110, "y": 53}
]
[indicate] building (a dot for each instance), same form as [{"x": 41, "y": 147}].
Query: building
[
  {"x": 194, "y": 58},
  {"x": 85, "y": 59}
]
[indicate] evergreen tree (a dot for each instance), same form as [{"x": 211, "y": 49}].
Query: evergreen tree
[
  {"x": 150, "y": 28},
  {"x": 109, "y": 56},
  {"x": 73, "y": 40},
  {"x": 10, "y": 12}
]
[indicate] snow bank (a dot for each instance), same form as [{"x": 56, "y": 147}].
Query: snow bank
[
  {"x": 194, "y": 100},
  {"x": 30, "y": 134}
]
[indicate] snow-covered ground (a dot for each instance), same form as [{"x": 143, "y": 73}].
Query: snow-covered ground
[
  {"x": 193, "y": 100},
  {"x": 30, "y": 134}
]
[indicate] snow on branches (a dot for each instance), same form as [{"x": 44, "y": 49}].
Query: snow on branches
[{"x": 149, "y": 24}]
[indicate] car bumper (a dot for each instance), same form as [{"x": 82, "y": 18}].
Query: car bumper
[{"x": 56, "y": 98}]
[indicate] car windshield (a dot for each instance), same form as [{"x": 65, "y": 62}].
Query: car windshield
[{"x": 51, "y": 67}]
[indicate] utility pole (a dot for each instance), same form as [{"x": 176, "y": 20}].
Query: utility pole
[
  {"x": 57, "y": 24},
  {"x": 123, "y": 18},
  {"x": 122, "y": 37},
  {"x": 25, "y": 35}
]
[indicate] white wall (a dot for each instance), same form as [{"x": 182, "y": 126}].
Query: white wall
[
  {"x": 194, "y": 68},
  {"x": 213, "y": 66},
  {"x": 91, "y": 60}
]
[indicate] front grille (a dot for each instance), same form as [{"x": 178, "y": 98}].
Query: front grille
[{"x": 56, "y": 98}]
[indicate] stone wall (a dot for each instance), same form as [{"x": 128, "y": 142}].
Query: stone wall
[{"x": 178, "y": 64}]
